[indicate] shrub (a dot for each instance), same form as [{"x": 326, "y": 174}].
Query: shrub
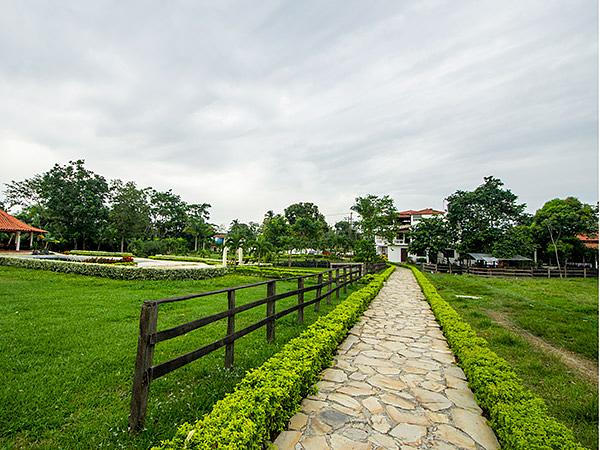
[
  {"x": 274, "y": 272},
  {"x": 119, "y": 272},
  {"x": 96, "y": 253},
  {"x": 187, "y": 258},
  {"x": 518, "y": 417},
  {"x": 268, "y": 396},
  {"x": 143, "y": 248}
]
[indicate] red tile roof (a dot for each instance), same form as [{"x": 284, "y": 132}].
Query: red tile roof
[
  {"x": 590, "y": 241},
  {"x": 12, "y": 224},
  {"x": 413, "y": 212}
]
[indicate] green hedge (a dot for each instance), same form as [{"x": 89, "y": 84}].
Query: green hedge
[
  {"x": 113, "y": 271},
  {"x": 519, "y": 418},
  {"x": 210, "y": 261},
  {"x": 274, "y": 272},
  {"x": 96, "y": 253},
  {"x": 268, "y": 396}
]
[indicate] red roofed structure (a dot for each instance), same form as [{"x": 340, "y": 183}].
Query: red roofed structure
[
  {"x": 589, "y": 240},
  {"x": 420, "y": 212},
  {"x": 10, "y": 224}
]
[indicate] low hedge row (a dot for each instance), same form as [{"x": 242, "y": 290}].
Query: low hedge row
[
  {"x": 268, "y": 396},
  {"x": 114, "y": 271},
  {"x": 519, "y": 418},
  {"x": 274, "y": 272},
  {"x": 97, "y": 253},
  {"x": 210, "y": 261}
]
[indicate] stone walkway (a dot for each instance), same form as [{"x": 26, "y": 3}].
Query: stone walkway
[{"x": 393, "y": 385}]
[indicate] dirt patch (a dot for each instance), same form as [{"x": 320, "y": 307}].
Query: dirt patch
[{"x": 586, "y": 367}]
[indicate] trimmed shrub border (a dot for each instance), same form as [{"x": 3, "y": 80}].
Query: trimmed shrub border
[
  {"x": 274, "y": 272},
  {"x": 268, "y": 396},
  {"x": 97, "y": 253},
  {"x": 113, "y": 271},
  {"x": 212, "y": 262},
  {"x": 518, "y": 417}
]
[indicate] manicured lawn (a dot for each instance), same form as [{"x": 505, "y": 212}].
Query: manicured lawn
[
  {"x": 562, "y": 312},
  {"x": 67, "y": 350}
]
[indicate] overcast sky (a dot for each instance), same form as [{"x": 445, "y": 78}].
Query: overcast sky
[{"x": 252, "y": 106}]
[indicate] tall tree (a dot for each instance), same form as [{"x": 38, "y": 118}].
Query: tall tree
[
  {"x": 168, "y": 213},
  {"x": 71, "y": 198},
  {"x": 478, "y": 219},
  {"x": 557, "y": 223},
  {"x": 378, "y": 217},
  {"x": 307, "y": 224},
  {"x": 196, "y": 223},
  {"x": 129, "y": 214},
  {"x": 429, "y": 236}
]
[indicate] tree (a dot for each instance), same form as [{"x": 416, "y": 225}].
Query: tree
[
  {"x": 307, "y": 224},
  {"x": 70, "y": 199},
  {"x": 557, "y": 223},
  {"x": 429, "y": 236},
  {"x": 516, "y": 241},
  {"x": 378, "y": 217},
  {"x": 129, "y": 214},
  {"x": 240, "y": 235},
  {"x": 168, "y": 213},
  {"x": 477, "y": 219},
  {"x": 196, "y": 223}
]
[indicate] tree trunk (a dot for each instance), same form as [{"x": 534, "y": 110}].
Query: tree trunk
[
  {"x": 555, "y": 251},
  {"x": 196, "y": 243},
  {"x": 122, "y": 244}
]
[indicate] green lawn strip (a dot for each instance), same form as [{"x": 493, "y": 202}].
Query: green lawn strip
[
  {"x": 204, "y": 260},
  {"x": 67, "y": 350},
  {"x": 277, "y": 272},
  {"x": 518, "y": 417},
  {"x": 97, "y": 253},
  {"x": 570, "y": 398},
  {"x": 562, "y": 312},
  {"x": 268, "y": 396}
]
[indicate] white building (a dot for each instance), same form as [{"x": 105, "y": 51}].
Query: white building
[{"x": 397, "y": 251}]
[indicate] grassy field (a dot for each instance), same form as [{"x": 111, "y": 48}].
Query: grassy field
[
  {"x": 564, "y": 313},
  {"x": 67, "y": 350}
]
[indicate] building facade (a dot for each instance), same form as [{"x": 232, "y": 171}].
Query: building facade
[{"x": 397, "y": 251}]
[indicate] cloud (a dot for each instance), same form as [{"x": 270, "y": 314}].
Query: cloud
[{"x": 252, "y": 106}]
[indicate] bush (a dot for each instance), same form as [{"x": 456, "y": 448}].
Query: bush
[
  {"x": 518, "y": 417},
  {"x": 268, "y": 396},
  {"x": 96, "y": 253},
  {"x": 118, "y": 272},
  {"x": 274, "y": 272},
  {"x": 167, "y": 246},
  {"x": 187, "y": 258}
]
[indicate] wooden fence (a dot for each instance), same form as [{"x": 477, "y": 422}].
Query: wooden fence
[
  {"x": 511, "y": 272},
  {"x": 327, "y": 283}
]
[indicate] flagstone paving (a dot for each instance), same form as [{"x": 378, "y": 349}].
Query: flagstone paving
[{"x": 394, "y": 384}]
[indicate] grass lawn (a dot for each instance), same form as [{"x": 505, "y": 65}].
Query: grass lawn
[
  {"x": 562, "y": 312},
  {"x": 67, "y": 351}
]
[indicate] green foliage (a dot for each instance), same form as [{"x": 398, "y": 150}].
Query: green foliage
[
  {"x": 519, "y": 418},
  {"x": 129, "y": 212},
  {"x": 196, "y": 224},
  {"x": 477, "y": 219},
  {"x": 518, "y": 240},
  {"x": 274, "y": 272},
  {"x": 307, "y": 225},
  {"x": 268, "y": 396},
  {"x": 168, "y": 213},
  {"x": 557, "y": 223},
  {"x": 378, "y": 217},
  {"x": 114, "y": 271},
  {"x": 430, "y": 236},
  {"x": 241, "y": 235},
  {"x": 157, "y": 246},
  {"x": 364, "y": 251},
  {"x": 98, "y": 253},
  {"x": 201, "y": 259}
]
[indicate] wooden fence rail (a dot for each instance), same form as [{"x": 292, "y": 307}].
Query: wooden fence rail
[
  {"x": 145, "y": 372},
  {"x": 511, "y": 272}
]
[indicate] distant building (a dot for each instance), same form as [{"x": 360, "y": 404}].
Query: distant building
[
  {"x": 397, "y": 251},
  {"x": 219, "y": 238}
]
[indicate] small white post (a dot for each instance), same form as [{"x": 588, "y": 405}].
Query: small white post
[
  {"x": 240, "y": 253},
  {"x": 18, "y": 246},
  {"x": 30, "y": 240},
  {"x": 224, "y": 255}
]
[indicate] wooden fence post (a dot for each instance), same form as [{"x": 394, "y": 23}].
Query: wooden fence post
[
  {"x": 143, "y": 363},
  {"x": 345, "y": 279},
  {"x": 271, "y": 291},
  {"x": 585, "y": 272},
  {"x": 337, "y": 283},
  {"x": 319, "y": 291},
  {"x": 230, "y": 329},
  {"x": 329, "y": 285},
  {"x": 300, "y": 300}
]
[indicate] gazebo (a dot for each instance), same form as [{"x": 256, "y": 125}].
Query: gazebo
[{"x": 10, "y": 224}]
